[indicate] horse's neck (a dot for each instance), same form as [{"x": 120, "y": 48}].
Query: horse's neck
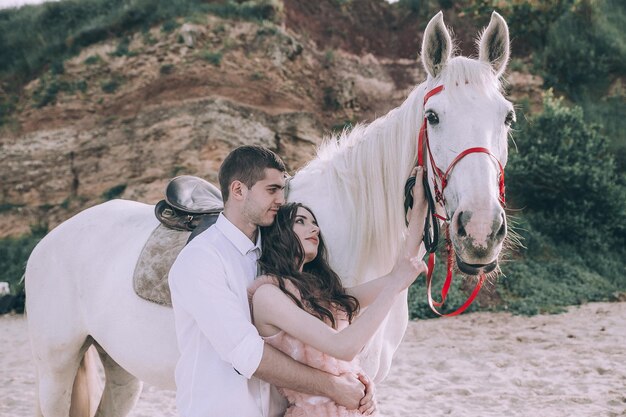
[{"x": 355, "y": 187}]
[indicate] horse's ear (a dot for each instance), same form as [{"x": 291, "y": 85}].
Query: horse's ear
[
  {"x": 493, "y": 45},
  {"x": 436, "y": 46}
]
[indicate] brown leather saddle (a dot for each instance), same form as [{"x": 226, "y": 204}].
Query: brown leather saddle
[{"x": 191, "y": 204}]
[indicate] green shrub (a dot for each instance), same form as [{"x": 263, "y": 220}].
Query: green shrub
[
  {"x": 81, "y": 86},
  {"x": 57, "y": 68},
  {"x": 258, "y": 10},
  {"x": 93, "y": 59},
  {"x": 586, "y": 47},
  {"x": 7, "y": 106},
  {"x": 114, "y": 192},
  {"x": 566, "y": 178},
  {"x": 608, "y": 114},
  {"x": 14, "y": 252},
  {"x": 122, "y": 48},
  {"x": 110, "y": 86},
  {"x": 167, "y": 69},
  {"x": 551, "y": 274},
  {"x": 257, "y": 76},
  {"x": 528, "y": 21},
  {"x": 213, "y": 57},
  {"x": 5, "y": 207},
  {"x": 169, "y": 26},
  {"x": 33, "y": 37},
  {"x": 331, "y": 102},
  {"x": 46, "y": 92},
  {"x": 329, "y": 58}
]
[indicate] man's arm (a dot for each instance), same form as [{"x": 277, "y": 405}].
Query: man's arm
[
  {"x": 218, "y": 313},
  {"x": 200, "y": 289},
  {"x": 281, "y": 370}
]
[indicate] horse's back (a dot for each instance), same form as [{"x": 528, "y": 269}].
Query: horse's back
[
  {"x": 82, "y": 249},
  {"x": 88, "y": 229}
]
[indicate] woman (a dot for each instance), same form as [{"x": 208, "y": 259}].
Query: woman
[{"x": 300, "y": 307}]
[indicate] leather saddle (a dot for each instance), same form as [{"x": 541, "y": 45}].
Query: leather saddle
[{"x": 191, "y": 204}]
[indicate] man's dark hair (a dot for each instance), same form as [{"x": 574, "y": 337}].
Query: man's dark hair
[{"x": 247, "y": 164}]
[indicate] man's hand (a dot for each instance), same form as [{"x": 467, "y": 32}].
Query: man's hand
[
  {"x": 367, "y": 405},
  {"x": 347, "y": 390}
]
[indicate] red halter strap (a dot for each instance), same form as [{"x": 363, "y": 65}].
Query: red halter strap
[
  {"x": 423, "y": 131},
  {"x": 439, "y": 197}
]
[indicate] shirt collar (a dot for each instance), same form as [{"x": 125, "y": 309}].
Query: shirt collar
[{"x": 237, "y": 237}]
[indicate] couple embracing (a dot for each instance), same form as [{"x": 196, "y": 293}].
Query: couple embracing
[{"x": 264, "y": 325}]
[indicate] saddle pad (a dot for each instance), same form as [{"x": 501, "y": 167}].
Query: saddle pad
[{"x": 155, "y": 261}]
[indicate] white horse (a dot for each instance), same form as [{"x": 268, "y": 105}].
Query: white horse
[{"x": 78, "y": 279}]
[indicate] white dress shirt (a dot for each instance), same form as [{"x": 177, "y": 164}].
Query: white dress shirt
[{"x": 220, "y": 349}]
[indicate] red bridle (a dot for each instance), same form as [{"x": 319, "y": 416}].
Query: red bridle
[{"x": 439, "y": 198}]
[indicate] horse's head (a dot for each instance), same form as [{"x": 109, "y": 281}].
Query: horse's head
[{"x": 468, "y": 123}]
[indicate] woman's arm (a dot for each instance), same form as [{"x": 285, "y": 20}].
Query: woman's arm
[
  {"x": 366, "y": 293},
  {"x": 273, "y": 309}
]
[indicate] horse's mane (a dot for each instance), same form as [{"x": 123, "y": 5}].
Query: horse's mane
[{"x": 369, "y": 165}]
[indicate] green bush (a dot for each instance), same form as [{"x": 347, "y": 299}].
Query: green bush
[
  {"x": 7, "y": 106},
  {"x": 551, "y": 274},
  {"x": 586, "y": 47},
  {"x": 33, "y": 37},
  {"x": 566, "y": 178},
  {"x": 213, "y": 57},
  {"x": 110, "y": 86},
  {"x": 46, "y": 92},
  {"x": 114, "y": 192},
  {"x": 14, "y": 252},
  {"x": 169, "y": 26},
  {"x": 167, "y": 69},
  {"x": 93, "y": 59},
  {"x": 331, "y": 102},
  {"x": 528, "y": 21},
  {"x": 608, "y": 114}
]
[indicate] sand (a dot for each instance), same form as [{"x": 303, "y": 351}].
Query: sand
[{"x": 480, "y": 364}]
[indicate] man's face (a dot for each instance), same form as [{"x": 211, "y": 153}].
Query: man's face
[{"x": 263, "y": 199}]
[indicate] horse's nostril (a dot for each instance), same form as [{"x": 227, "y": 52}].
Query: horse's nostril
[
  {"x": 460, "y": 225},
  {"x": 502, "y": 229}
]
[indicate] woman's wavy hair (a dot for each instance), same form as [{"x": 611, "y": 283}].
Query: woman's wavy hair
[{"x": 319, "y": 286}]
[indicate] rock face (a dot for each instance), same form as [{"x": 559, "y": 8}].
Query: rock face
[{"x": 126, "y": 120}]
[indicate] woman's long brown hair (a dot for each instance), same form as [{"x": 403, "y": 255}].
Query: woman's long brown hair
[{"x": 319, "y": 286}]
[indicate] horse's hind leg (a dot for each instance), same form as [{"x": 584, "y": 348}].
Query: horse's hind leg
[
  {"x": 121, "y": 389},
  {"x": 56, "y": 370}
]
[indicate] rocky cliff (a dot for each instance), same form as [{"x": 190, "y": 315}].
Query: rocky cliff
[{"x": 126, "y": 115}]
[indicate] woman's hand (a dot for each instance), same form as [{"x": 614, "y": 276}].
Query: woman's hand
[
  {"x": 419, "y": 197},
  {"x": 405, "y": 272},
  {"x": 416, "y": 216}
]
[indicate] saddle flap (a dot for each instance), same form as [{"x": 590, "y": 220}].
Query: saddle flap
[{"x": 193, "y": 195}]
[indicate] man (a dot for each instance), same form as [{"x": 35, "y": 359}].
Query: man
[{"x": 225, "y": 369}]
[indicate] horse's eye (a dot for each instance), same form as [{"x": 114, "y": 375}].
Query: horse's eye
[
  {"x": 510, "y": 118},
  {"x": 432, "y": 117}
]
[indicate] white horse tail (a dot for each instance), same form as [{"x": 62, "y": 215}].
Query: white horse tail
[{"x": 87, "y": 386}]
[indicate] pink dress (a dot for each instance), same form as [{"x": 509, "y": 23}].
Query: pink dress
[{"x": 304, "y": 405}]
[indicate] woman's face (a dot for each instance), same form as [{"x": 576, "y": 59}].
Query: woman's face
[{"x": 305, "y": 227}]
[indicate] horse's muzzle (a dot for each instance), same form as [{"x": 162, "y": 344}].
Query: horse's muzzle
[{"x": 475, "y": 269}]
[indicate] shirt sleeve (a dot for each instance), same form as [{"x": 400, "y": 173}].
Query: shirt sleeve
[{"x": 199, "y": 287}]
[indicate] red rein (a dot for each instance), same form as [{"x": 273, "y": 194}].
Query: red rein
[{"x": 439, "y": 198}]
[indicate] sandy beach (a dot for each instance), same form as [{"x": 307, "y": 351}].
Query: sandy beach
[{"x": 480, "y": 364}]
